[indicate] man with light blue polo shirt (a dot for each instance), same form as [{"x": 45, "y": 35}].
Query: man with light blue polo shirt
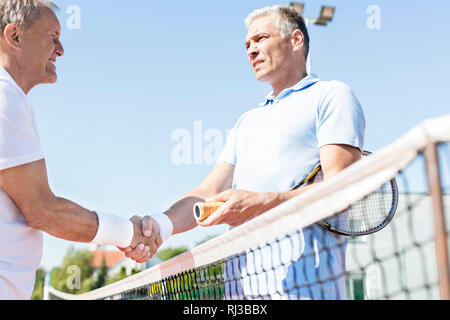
[{"x": 303, "y": 120}]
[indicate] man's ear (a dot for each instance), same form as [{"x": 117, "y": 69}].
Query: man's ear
[
  {"x": 297, "y": 39},
  {"x": 12, "y": 35}
]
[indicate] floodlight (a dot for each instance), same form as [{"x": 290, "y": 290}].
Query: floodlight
[
  {"x": 298, "y": 6},
  {"x": 326, "y": 13}
]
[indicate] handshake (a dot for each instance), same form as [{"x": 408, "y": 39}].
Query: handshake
[
  {"x": 139, "y": 238},
  {"x": 142, "y": 240},
  {"x": 148, "y": 235}
]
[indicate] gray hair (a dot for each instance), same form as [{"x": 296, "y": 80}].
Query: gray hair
[
  {"x": 22, "y": 13},
  {"x": 287, "y": 20}
]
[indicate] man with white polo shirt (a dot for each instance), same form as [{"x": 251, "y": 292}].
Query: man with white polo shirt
[
  {"x": 29, "y": 47},
  {"x": 270, "y": 149}
]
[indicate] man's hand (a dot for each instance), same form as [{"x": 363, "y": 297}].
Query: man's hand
[
  {"x": 240, "y": 206},
  {"x": 146, "y": 239}
]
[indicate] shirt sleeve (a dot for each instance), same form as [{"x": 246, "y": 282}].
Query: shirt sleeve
[
  {"x": 19, "y": 141},
  {"x": 340, "y": 118},
  {"x": 228, "y": 154}
]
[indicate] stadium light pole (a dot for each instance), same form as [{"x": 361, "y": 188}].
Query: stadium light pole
[{"x": 326, "y": 15}]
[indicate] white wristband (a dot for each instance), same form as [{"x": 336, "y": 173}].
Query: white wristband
[
  {"x": 165, "y": 225},
  {"x": 113, "y": 230}
]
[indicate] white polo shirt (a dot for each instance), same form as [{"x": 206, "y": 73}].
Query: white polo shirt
[
  {"x": 273, "y": 148},
  {"x": 20, "y": 245}
]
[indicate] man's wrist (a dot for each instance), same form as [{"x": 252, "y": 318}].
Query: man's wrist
[
  {"x": 164, "y": 223},
  {"x": 277, "y": 198},
  {"x": 113, "y": 230}
]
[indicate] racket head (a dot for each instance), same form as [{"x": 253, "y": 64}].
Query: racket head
[{"x": 366, "y": 216}]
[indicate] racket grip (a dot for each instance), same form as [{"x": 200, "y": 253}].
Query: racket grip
[{"x": 203, "y": 210}]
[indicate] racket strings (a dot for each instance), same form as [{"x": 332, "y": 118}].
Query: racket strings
[{"x": 365, "y": 215}]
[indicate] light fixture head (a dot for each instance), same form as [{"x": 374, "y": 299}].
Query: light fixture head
[
  {"x": 298, "y": 6},
  {"x": 327, "y": 13}
]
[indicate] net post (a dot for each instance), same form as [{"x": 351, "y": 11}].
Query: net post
[{"x": 434, "y": 184}]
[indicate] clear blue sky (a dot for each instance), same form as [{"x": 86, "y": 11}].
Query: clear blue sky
[{"x": 138, "y": 71}]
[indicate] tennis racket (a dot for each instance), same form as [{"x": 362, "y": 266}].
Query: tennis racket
[{"x": 368, "y": 215}]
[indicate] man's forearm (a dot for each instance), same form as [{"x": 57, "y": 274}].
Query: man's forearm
[
  {"x": 181, "y": 212},
  {"x": 66, "y": 220}
]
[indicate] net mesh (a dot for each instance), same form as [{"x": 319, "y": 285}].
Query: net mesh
[{"x": 287, "y": 255}]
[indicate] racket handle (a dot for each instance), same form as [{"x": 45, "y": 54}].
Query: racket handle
[{"x": 203, "y": 210}]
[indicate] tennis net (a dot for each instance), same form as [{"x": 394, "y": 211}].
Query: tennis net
[{"x": 285, "y": 254}]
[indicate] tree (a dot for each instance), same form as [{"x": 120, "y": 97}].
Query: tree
[
  {"x": 38, "y": 292},
  {"x": 101, "y": 276},
  {"x": 75, "y": 274},
  {"x": 117, "y": 277},
  {"x": 121, "y": 275}
]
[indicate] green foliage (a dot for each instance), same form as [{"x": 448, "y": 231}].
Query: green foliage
[
  {"x": 61, "y": 276},
  {"x": 117, "y": 277},
  {"x": 134, "y": 271},
  {"x": 101, "y": 276},
  {"x": 38, "y": 291},
  {"x": 169, "y": 253},
  {"x": 121, "y": 275},
  {"x": 74, "y": 258}
]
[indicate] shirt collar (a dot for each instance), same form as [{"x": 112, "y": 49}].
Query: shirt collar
[{"x": 306, "y": 82}]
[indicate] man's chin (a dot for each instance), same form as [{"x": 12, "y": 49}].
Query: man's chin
[
  {"x": 51, "y": 78},
  {"x": 261, "y": 76}
]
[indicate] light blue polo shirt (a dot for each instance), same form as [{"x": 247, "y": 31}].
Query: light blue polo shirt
[{"x": 272, "y": 148}]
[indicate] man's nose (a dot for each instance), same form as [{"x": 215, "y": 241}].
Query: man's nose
[
  {"x": 59, "y": 49},
  {"x": 252, "y": 52}
]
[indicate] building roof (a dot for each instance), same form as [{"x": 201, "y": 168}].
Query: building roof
[{"x": 111, "y": 258}]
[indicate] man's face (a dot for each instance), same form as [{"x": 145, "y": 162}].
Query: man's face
[
  {"x": 40, "y": 48},
  {"x": 269, "y": 54}
]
